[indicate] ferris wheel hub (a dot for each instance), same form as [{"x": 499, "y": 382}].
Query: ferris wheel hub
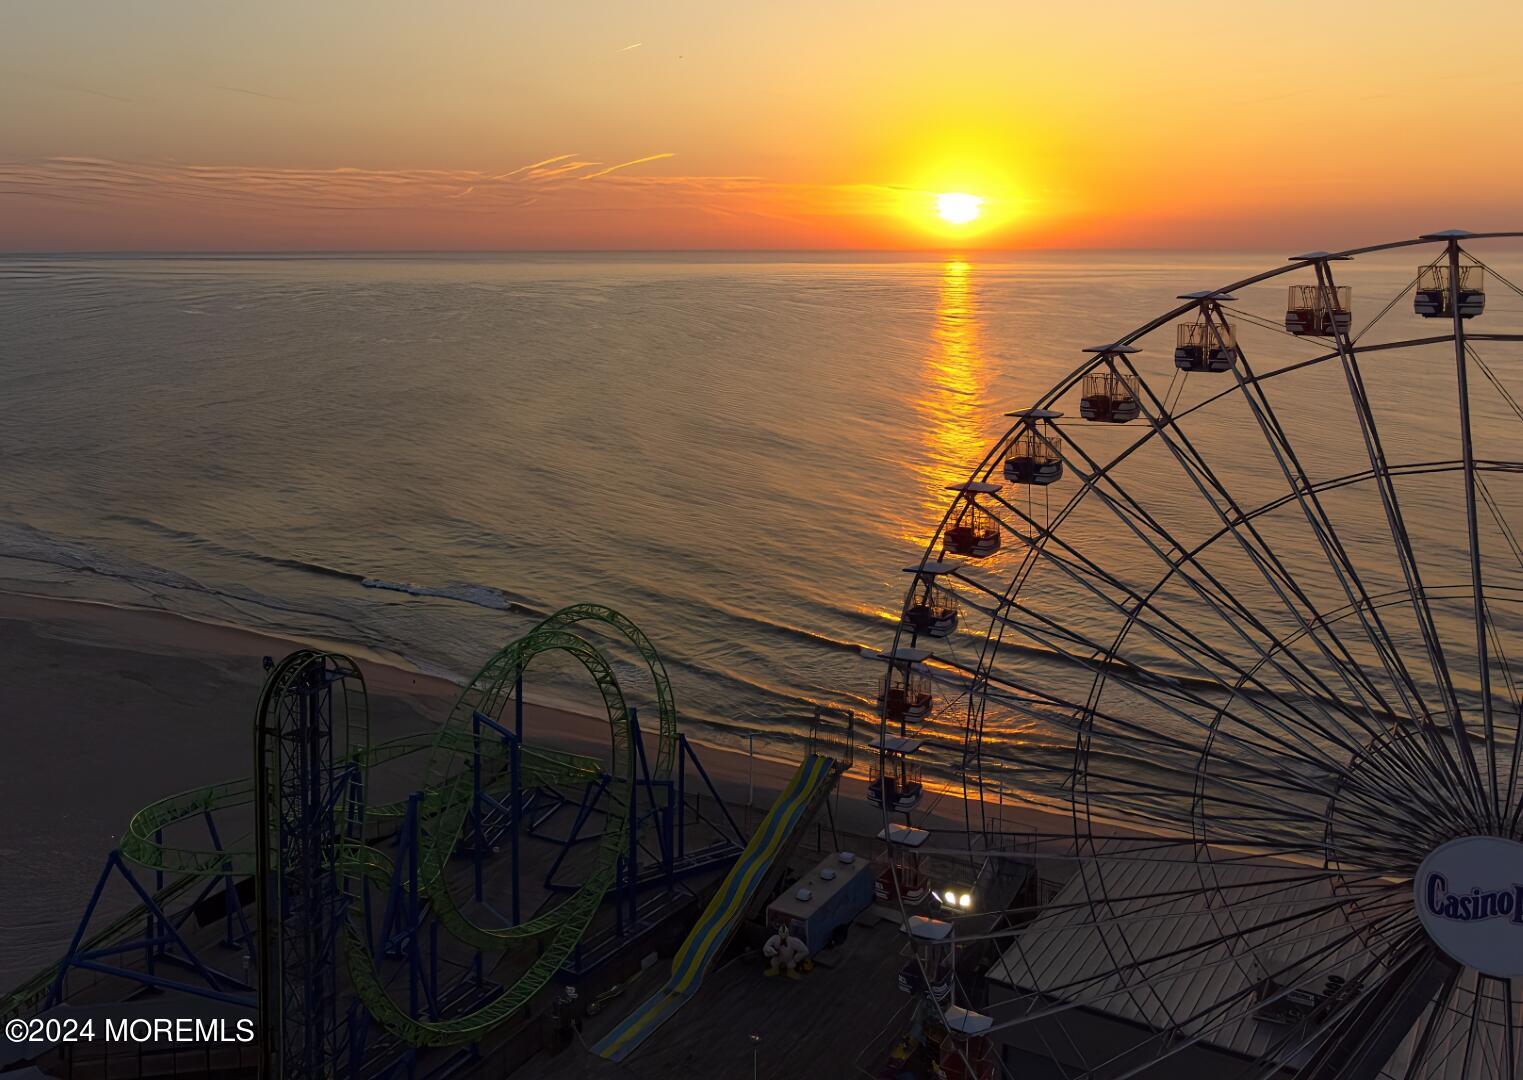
[{"x": 1469, "y": 897}]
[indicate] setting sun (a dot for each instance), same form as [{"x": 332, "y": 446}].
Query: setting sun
[{"x": 956, "y": 208}]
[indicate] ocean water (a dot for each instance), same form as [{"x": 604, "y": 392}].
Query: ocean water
[{"x": 422, "y": 456}]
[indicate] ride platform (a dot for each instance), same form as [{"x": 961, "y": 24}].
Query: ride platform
[
  {"x": 797, "y": 803},
  {"x": 837, "y": 1020}
]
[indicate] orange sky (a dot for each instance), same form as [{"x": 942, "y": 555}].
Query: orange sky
[{"x": 365, "y": 125}]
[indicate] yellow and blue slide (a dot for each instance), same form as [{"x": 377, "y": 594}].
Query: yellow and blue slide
[{"x": 725, "y": 911}]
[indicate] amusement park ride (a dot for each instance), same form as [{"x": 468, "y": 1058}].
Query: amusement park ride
[
  {"x": 398, "y": 938},
  {"x": 1242, "y": 632}
]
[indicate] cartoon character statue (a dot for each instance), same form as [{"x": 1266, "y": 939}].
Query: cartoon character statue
[{"x": 786, "y": 953}]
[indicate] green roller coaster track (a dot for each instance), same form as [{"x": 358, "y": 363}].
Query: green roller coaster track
[{"x": 443, "y": 812}]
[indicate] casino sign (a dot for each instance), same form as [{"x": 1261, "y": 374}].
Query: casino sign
[{"x": 1469, "y": 897}]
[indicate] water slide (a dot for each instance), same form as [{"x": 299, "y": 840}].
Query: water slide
[{"x": 793, "y": 809}]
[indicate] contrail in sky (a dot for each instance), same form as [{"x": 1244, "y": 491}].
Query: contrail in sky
[
  {"x": 252, "y": 93},
  {"x": 624, "y": 165}
]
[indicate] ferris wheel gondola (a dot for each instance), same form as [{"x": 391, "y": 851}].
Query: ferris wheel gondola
[
  {"x": 932, "y": 612},
  {"x": 974, "y": 534},
  {"x": 1034, "y": 458}
]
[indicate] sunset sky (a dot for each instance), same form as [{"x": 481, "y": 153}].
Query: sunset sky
[{"x": 435, "y": 125}]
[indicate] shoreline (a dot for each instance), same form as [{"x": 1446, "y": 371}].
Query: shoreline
[
  {"x": 176, "y": 633},
  {"x": 157, "y": 632},
  {"x": 166, "y": 633}
]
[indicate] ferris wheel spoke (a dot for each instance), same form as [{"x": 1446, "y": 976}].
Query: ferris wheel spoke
[
  {"x": 1313, "y": 1037},
  {"x": 1514, "y": 695},
  {"x": 1509, "y": 1019},
  {"x": 1179, "y": 792},
  {"x": 1503, "y": 529},
  {"x": 1402, "y": 542},
  {"x": 1475, "y": 1017},
  {"x": 1406, "y": 291},
  {"x": 1320, "y": 358},
  {"x": 1467, "y": 449},
  {"x": 1259, "y": 552},
  {"x": 1502, "y": 391},
  {"x": 1348, "y": 577},
  {"x": 1190, "y": 961},
  {"x": 1160, "y": 691},
  {"x": 1197, "y": 963},
  {"x": 1493, "y": 272},
  {"x": 1233, "y": 618},
  {"x": 1219, "y": 598},
  {"x": 1516, "y": 701},
  {"x": 1324, "y": 1038},
  {"x": 1121, "y": 849},
  {"x": 1180, "y": 806},
  {"x": 1193, "y": 959},
  {"x": 1246, "y": 618},
  {"x": 1162, "y": 906},
  {"x": 1053, "y": 631},
  {"x": 1301, "y": 1045},
  {"x": 1399, "y": 840},
  {"x": 1186, "y": 644},
  {"x": 1180, "y": 1036},
  {"x": 1494, "y": 1044},
  {"x": 1244, "y": 614},
  {"x": 1488, "y": 1051},
  {"x": 1151, "y": 809},
  {"x": 1438, "y": 1012},
  {"x": 1322, "y": 528},
  {"x": 1239, "y": 524}
]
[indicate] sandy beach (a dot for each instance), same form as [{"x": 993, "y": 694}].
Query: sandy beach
[{"x": 106, "y": 709}]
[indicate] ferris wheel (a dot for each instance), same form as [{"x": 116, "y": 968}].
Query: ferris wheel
[{"x": 1235, "y": 606}]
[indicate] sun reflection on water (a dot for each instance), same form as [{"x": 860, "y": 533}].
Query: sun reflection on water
[{"x": 952, "y": 400}]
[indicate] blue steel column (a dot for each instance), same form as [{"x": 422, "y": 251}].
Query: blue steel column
[
  {"x": 513, "y": 782},
  {"x": 302, "y": 905},
  {"x": 634, "y": 830},
  {"x": 517, "y": 805},
  {"x": 681, "y": 795},
  {"x": 479, "y": 834}
]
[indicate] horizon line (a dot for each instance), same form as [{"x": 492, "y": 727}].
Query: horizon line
[{"x": 966, "y": 253}]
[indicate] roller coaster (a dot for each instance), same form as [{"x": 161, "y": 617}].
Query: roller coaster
[{"x": 341, "y": 938}]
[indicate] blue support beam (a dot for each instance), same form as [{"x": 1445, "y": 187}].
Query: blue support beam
[{"x": 164, "y": 934}]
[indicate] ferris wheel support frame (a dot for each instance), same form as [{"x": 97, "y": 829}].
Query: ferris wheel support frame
[{"x": 1363, "y": 1033}]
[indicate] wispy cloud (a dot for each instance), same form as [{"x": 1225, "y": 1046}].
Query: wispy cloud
[
  {"x": 626, "y": 165},
  {"x": 102, "y": 180},
  {"x": 636, "y": 45},
  {"x": 253, "y": 93},
  {"x": 46, "y": 79},
  {"x": 92, "y": 92},
  {"x": 538, "y": 197}
]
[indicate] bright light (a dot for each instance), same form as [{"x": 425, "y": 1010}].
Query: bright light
[
  {"x": 965, "y": 900},
  {"x": 955, "y": 208}
]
